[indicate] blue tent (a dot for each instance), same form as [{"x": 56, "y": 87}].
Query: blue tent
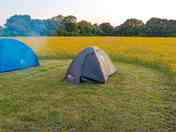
[{"x": 15, "y": 55}]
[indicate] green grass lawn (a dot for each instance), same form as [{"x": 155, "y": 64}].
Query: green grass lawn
[{"x": 138, "y": 99}]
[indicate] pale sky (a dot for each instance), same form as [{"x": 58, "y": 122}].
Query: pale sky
[{"x": 113, "y": 11}]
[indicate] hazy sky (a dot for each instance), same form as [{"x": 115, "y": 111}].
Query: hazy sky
[{"x": 114, "y": 11}]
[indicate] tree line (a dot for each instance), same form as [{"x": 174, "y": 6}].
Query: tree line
[{"x": 24, "y": 25}]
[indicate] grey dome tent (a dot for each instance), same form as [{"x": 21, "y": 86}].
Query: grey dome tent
[{"x": 91, "y": 65}]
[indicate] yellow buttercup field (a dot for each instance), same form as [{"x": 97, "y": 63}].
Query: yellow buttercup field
[{"x": 162, "y": 50}]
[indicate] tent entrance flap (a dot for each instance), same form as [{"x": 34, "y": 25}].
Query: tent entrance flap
[
  {"x": 92, "y": 69},
  {"x": 86, "y": 79}
]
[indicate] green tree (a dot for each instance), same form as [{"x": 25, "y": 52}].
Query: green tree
[
  {"x": 1, "y": 31},
  {"x": 156, "y": 27},
  {"x": 61, "y": 31},
  {"x": 160, "y": 27},
  {"x": 106, "y": 29},
  {"x": 54, "y": 24},
  {"x": 131, "y": 27},
  {"x": 70, "y": 25},
  {"x": 85, "y": 28},
  {"x": 171, "y": 28},
  {"x": 96, "y": 29}
]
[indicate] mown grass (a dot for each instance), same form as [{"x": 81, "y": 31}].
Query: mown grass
[
  {"x": 140, "y": 98},
  {"x": 156, "y": 65}
]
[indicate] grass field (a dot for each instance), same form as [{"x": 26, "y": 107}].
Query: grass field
[{"x": 141, "y": 98}]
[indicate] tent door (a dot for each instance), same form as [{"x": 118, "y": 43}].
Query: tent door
[{"x": 91, "y": 69}]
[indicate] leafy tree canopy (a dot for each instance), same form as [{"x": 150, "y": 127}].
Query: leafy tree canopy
[{"x": 24, "y": 25}]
